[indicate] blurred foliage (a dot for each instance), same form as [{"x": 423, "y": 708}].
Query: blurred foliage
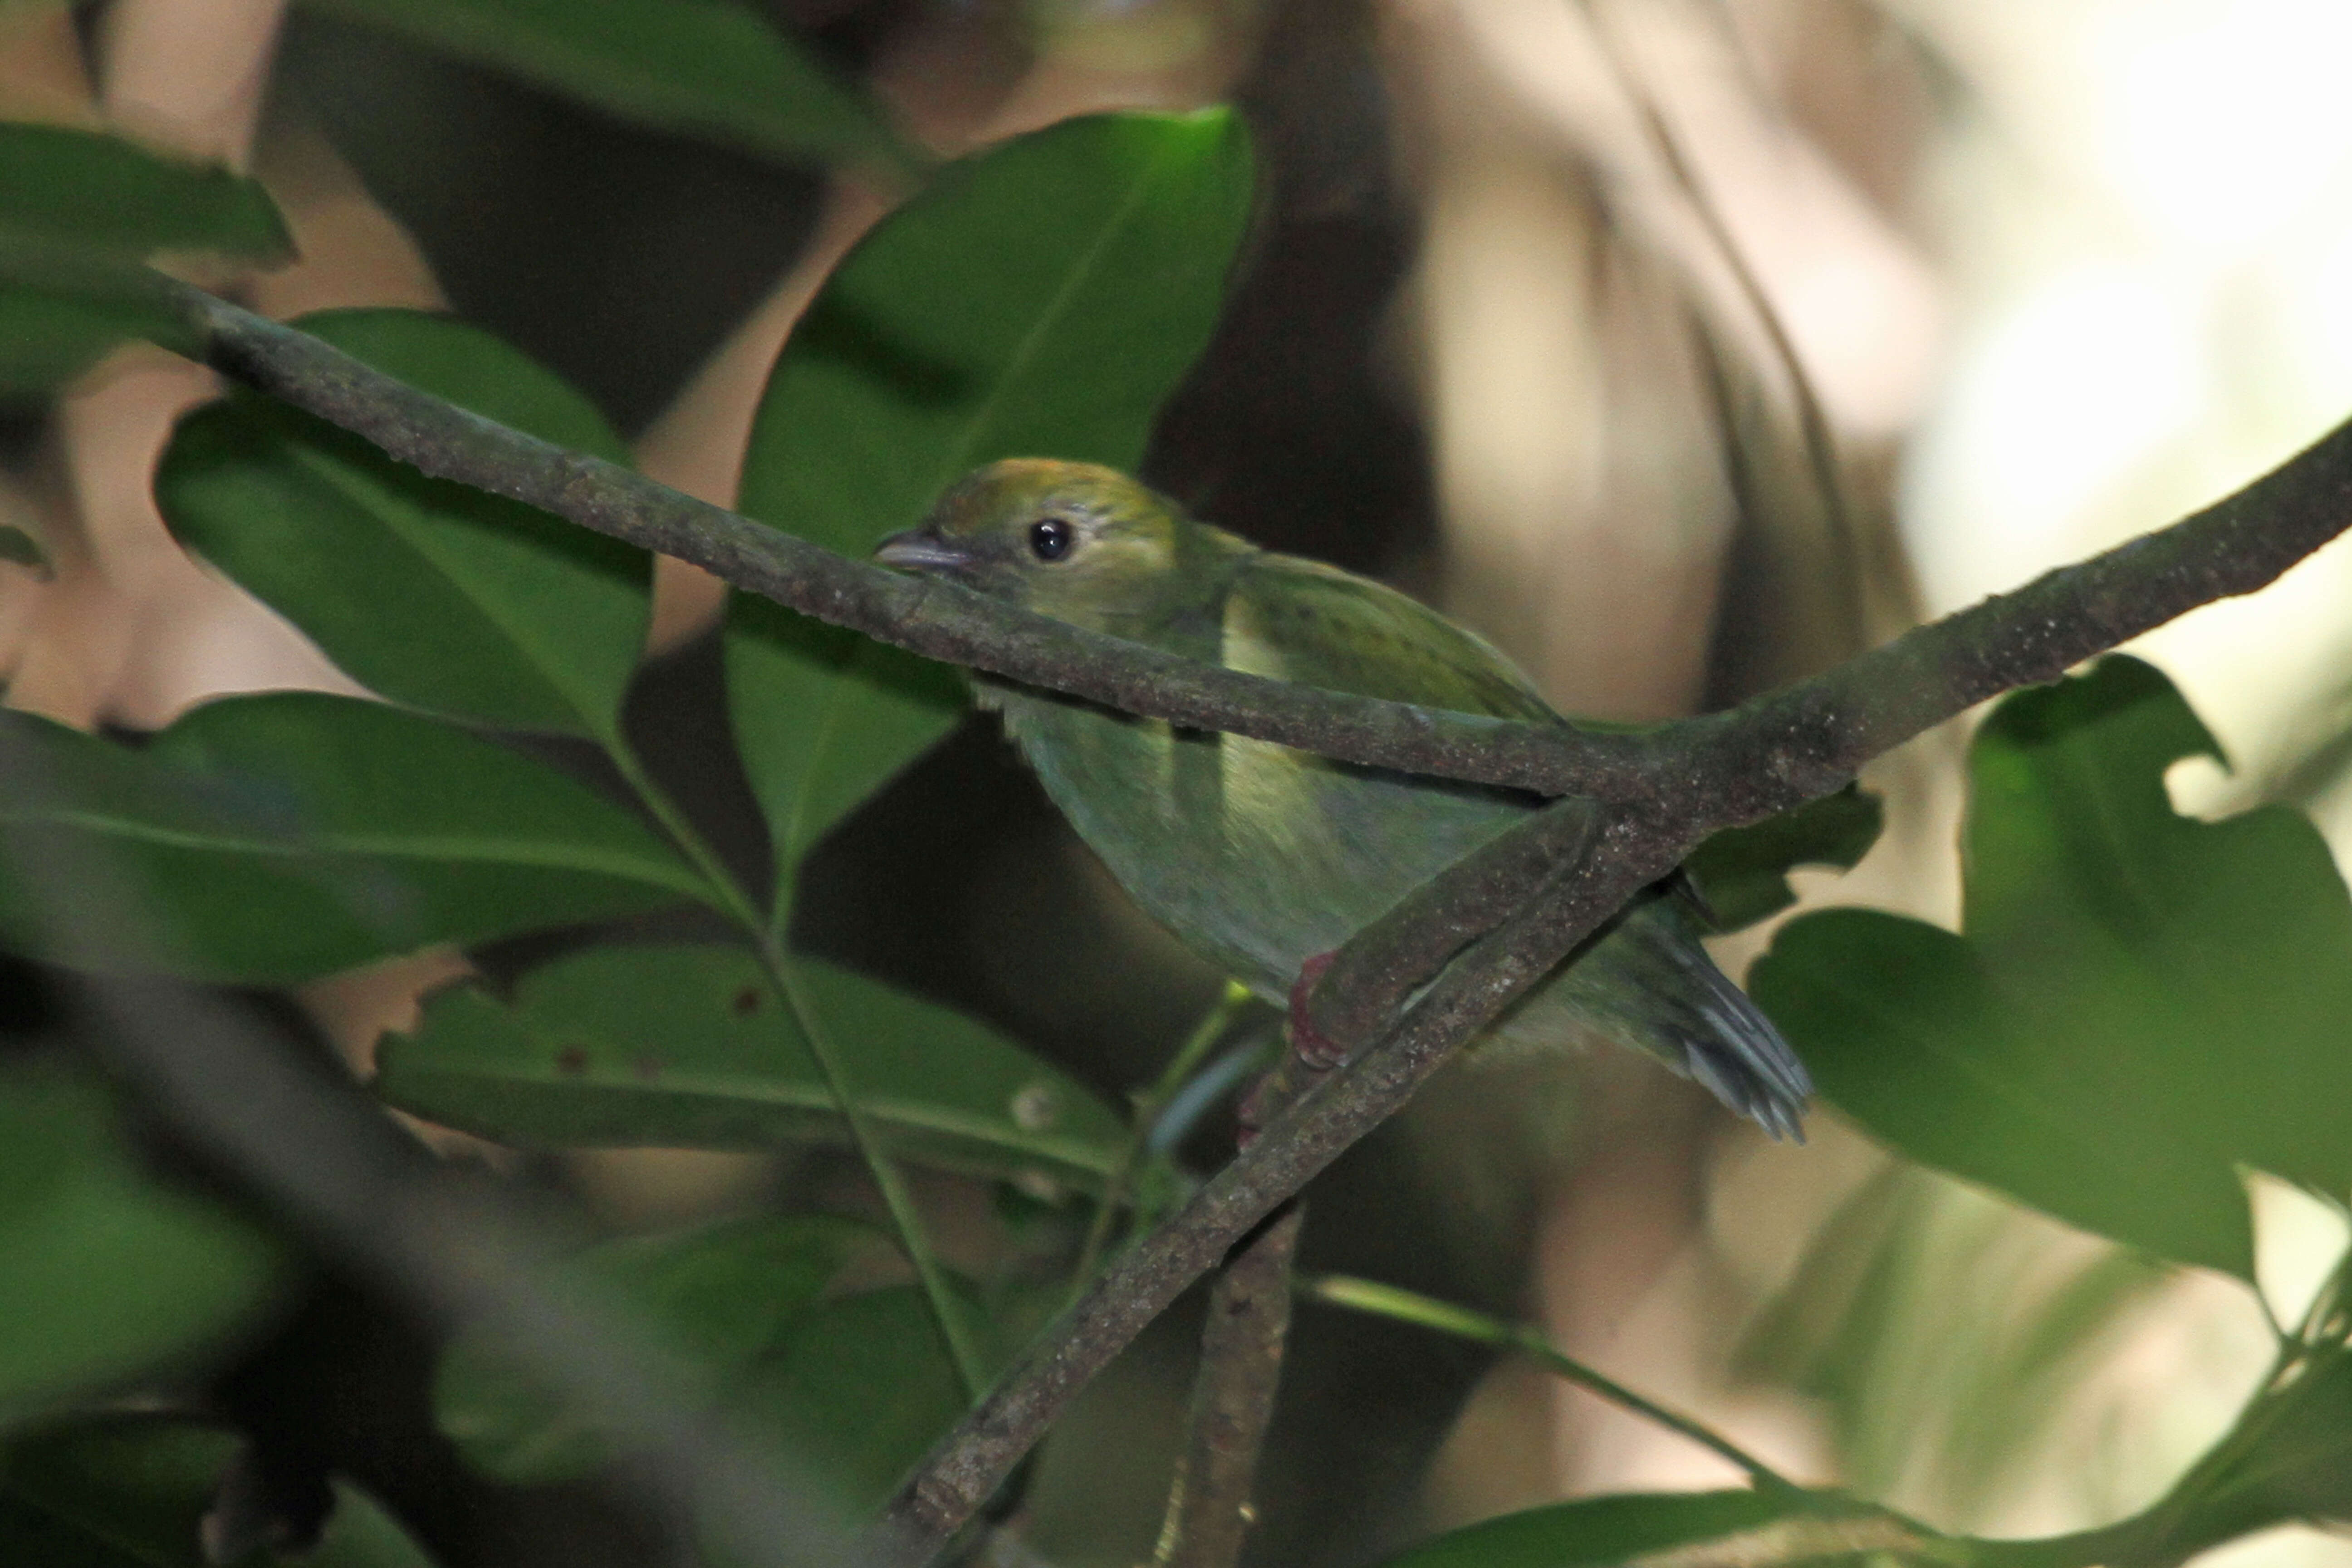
[
  {"x": 104, "y": 1276},
  {"x": 706, "y": 67},
  {"x": 118, "y": 1490}
]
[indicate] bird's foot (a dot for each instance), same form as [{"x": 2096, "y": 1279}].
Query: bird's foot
[
  {"x": 1312, "y": 1054},
  {"x": 1315, "y": 1048}
]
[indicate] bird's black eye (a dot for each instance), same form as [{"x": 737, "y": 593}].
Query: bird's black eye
[{"x": 1051, "y": 540}]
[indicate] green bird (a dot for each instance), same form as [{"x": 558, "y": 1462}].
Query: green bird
[{"x": 1262, "y": 859}]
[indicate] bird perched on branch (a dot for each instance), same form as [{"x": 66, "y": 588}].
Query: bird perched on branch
[{"x": 1262, "y": 859}]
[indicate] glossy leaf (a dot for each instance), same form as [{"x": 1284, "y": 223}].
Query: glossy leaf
[
  {"x": 1614, "y": 1529},
  {"x": 100, "y": 193},
  {"x": 434, "y": 595},
  {"x": 710, "y": 69},
  {"x": 689, "y": 1047},
  {"x": 275, "y": 837},
  {"x": 2141, "y": 1003},
  {"x": 1043, "y": 299},
  {"x": 103, "y": 1273},
  {"x": 722, "y": 1298},
  {"x": 1743, "y": 872},
  {"x": 104, "y": 1492}
]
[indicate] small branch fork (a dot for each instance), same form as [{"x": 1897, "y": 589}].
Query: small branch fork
[{"x": 1651, "y": 796}]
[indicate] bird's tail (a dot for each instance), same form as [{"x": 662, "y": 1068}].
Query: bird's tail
[{"x": 1658, "y": 987}]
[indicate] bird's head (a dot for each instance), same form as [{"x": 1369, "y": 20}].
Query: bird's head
[{"x": 1074, "y": 541}]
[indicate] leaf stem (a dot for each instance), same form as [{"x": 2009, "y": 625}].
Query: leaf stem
[
  {"x": 1148, "y": 1103},
  {"x": 955, "y": 1331},
  {"x": 1445, "y": 1318}
]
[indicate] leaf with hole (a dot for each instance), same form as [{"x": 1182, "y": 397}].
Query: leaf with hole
[
  {"x": 1043, "y": 298},
  {"x": 690, "y": 1047},
  {"x": 1743, "y": 872},
  {"x": 272, "y": 838},
  {"x": 434, "y": 595},
  {"x": 2140, "y": 1005}
]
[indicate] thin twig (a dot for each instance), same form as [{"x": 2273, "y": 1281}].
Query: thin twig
[
  {"x": 1211, "y": 1505},
  {"x": 1426, "y": 1311},
  {"x": 1146, "y": 1107},
  {"x": 1813, "y": 419}
]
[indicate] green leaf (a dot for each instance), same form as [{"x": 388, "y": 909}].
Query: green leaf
[
  {"x": 62, "y": 308},
  {"x": 104, "y": 1274},
  {"x": 434, "y": 595},
  {"x": 2142, "y": 1003},
  {"x": 860, "y": 1393},
  {"x": 93, "y": 192},
  {"x": 705, "y": 68},
  {"x": 105, "y": 1491},
  {"x": 19, "y": 548},
  {"x": 689, "y": 1047},
  {"x": 721, "y": 1299},
  {"x": 79, "y": 211},
  {"x": 1041, "y": 299},
  {"x": 1613, "y": 1530},
  {"x": 275, "y": 837},
  {"x": 1744, "y": 871},
  {"x": 852, "y": 1387}
]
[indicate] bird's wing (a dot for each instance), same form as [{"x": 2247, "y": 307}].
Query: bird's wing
[{"x": 1303, "y": 621}]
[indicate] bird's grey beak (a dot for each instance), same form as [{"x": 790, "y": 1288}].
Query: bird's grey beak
[{"x": 917, "y": 551}]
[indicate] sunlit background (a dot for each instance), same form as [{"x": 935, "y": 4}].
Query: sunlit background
[{"x": 1562, "y": 313}]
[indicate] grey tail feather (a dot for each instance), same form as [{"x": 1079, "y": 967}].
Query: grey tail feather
[
  {"x": 1728, "y": 1044},
  {"x": 1721, "y": 1038}
]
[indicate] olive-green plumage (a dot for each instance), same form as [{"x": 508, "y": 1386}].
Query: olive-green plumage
[{"x": 1260, "y": 857}]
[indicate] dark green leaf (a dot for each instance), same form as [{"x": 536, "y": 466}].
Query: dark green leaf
[
  {"x": 1042, "y": 299},
  {"x": 62, "y": 309},
  {"x": 93, "y": 192},
  {"x": 2142, "y": 1004},
  {"x": 1743, "y": 872},
  {"x": 722, "y": 1298},
  {"x": 432, "y": 593},
  {"x": 706, "y": 67},
  {"x": 1613, "y": 1530},
  {"x": 861, "y": 1392},
  {"x": 852, "y": 1387},
  {"x": 22, "y": 549},
  {"x": 103, "y": 1274},
  {"x": 275, "y": 837},
  {"x": 104, "y": 1491},
  {"x": 687, "y": 1047}
]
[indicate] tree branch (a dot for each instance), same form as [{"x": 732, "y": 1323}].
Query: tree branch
[
  {"x": 1210, "y": 1509},
  {"x": 969, "y": 1463},
  {"x": 1742, "y": 766}
]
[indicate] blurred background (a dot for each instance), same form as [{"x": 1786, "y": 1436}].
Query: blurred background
[{"x": 1682, "y": 346}]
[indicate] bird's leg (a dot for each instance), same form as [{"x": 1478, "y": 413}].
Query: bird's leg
[
  {"x": 1312, "y": 1054},
  {"x": 1315, "y": 1048}
]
